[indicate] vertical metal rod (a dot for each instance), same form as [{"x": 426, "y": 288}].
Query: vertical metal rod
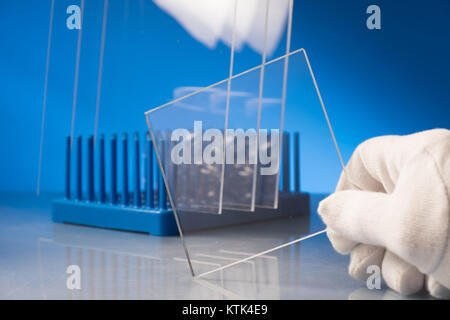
[
  {"x": 90, "y": 181},
  {"x": 137, "y": 180},
  {"x": 125, "y": 169},
  {"x": 102, "y": 169},
  {"x": 286, "y": 162},
  {"x": 162, "y": 199},
  {"x": 150, "y": 192},
  {"x": 297, "y": 161},
  {"x": 79, "y": 168},
  {"x": 114, "y": 169},
  {"x": 68, "y": 147}
]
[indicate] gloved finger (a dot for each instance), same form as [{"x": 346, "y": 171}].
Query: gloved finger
[
  {"x": 401, "y": 276},
  {"x": 356, "y": 215},
  {"x": 436, "y": 289},
  {"x": 354, "y": 177},
  {"x": 363, "y": 256},
  {"x": 341, "y": 244}
]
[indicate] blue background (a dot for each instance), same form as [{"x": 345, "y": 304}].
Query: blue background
[{"x": 374, "y": 82}]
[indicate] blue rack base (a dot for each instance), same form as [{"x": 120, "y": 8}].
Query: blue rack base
[
  {"x": 158, "y": 222},
  {"x": 161, "y": 222}
]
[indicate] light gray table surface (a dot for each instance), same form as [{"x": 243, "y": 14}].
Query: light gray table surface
[{"x": 35, "y": 253}]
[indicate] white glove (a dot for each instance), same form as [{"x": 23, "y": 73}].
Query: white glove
[
  {"x": 391, "y": 208},
  {"x": 210, "y": 21}
]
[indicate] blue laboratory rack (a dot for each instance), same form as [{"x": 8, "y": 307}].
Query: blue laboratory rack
[{"x": 136, "y": 210}]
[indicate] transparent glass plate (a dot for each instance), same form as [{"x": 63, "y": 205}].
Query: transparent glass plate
[{"x": 213, "y": 199}]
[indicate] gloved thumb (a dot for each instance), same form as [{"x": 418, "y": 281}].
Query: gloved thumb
[{"x": 358, "y": 215}]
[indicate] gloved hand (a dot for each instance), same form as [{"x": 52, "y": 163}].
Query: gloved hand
[{"x": 391, "y": 208}]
